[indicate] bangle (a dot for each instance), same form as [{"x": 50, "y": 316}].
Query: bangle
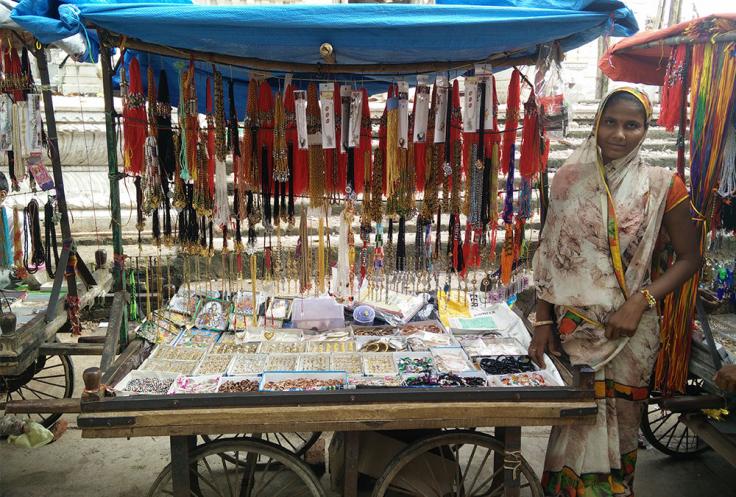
[
  {"x": 651, "y": 301},
  {"x": 537, "y": 324}
]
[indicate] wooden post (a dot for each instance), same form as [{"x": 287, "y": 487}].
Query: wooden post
[
  {"x": 601, "y": 80},
  {"x": 112, "y": 167},
  {"x": 512, "y": 461},
  {"x": 66, "y": 232}
]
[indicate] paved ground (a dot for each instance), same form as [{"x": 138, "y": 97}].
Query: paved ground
[{"x": 75, "y": 467}]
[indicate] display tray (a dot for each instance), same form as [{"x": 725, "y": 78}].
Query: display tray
[
  {"x": 194, "y": 384},
  {"x": 279, "y": 381},
  {"x": 238, "y": 384},
  {"x": 139, "y": 382}
]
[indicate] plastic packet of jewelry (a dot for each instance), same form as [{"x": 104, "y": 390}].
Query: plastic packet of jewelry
[
  {"x": 379, "y": 364},
  {"x": 451, "y": 360},
  {"x": 465, "y": 379},
  {"x": 213, "y": 364},
  {"x": 247, "y": 364},
  {"x": 430, "y": 326},
  {"x": 314, "y": 362},
  {"x": 350, "y": 363},
  {"x": 282, "y": 347},
  {"x": 39, "y": 172},
  {"x": 344, "y": 122},
  {"x": 471, "y": 106},
  {"x": 195, "y": 384},
  {"x": 178, "y": 353},
  {"x": 213, "y": 315},
  {"x": 327, "y": 114},
  {"x": 403, "y": 114},
  {"x": 374, "y": 331},
  {"x": 504, "y": 346},
  {"x": 273, "y": 335},
  {"x": 330, "y": 347},
  {"x": 6, "y": 123},
  {"x": 474, "y": 346},
  {"x": 195, "y": 337},
  {"x": 336, "y": 335},
  {"x": 422, "y": 98},
  {"x": 356, "y": 118},
  {"x": 440, "y": 108},
  {"x": 34, "y": 130},
  {"x": 386, "y": 381},
  {"x": 279, "y": 308},
  {"x": 419, "y": 380},
  {"x": 381, "y": 344},
  {"x": 282, "y": 362},
  {"x": 300, "y": 108}
]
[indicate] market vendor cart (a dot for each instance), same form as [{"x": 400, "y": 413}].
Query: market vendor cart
[{"x": 477, "y": 463}]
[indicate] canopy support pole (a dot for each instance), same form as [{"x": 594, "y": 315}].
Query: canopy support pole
[
  {"x": 68, "y": 247},
  {"x": 112, "y": 168}
]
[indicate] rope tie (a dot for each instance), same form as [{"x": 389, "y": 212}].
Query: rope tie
[{"x": 512, "y": 462}]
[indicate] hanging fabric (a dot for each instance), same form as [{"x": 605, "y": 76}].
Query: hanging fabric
[{"x": 675, "y": 85}]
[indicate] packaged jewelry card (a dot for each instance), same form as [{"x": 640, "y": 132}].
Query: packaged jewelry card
[
  {"x": 213, "y": 314},
  {"x": 279, "y": 308},
  {"x": 244, "y": 305}
]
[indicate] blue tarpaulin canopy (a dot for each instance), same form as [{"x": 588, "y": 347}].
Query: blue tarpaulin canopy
[{"x": 359, "y": 33}]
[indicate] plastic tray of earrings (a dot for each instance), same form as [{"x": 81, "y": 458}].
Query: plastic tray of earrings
[
  {"x": 213, "y": 364},
  {"x": 385, "y": 381},
  {"x": 328, "y": 347},
  {"x": 379, "y": 364},
  {"x": 168, "y": 366},
  {"x": 282, "y": 362},
  {"x": 430, "y": 326},
  {"x": 282, "y": 347},
  {"x": 451, "y": 360},
  {"x": 235, "y": 348},
  {"x": 213, "y": 314},
  {"x": 381, "y": 344},
  {"x": 314, "y": 362},
  {"x": 302, "y": 380},
  {"x": 350, "y": 363},
  {"x": 336, "y": 335},
  {"x": 194, "y": 337},
  {"x": 247, "y": 364},
  {"x": 139, "y": 382},
  {"x": 195, "y": 384},
  {"x": 374, "y": 331},
  {"x": 521, "y": 380},
  {"x": 173, "y": 353},
  {"x": 273, "y": 335}
]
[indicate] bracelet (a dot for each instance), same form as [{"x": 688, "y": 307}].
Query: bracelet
[
  {"x": 537, "y": 324},
  {"x": 651, "y": 301}
]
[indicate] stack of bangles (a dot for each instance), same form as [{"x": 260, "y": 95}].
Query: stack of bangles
[{"x": 506, "y": 364}]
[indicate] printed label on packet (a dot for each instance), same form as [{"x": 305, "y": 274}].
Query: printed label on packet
[
  {"x": 39, "y": 172},
  {"x": 327, "y": 113}
]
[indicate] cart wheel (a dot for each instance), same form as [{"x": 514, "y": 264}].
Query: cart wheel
[
  {"x": 664, "y": 431},
  {"x": 455, "y": 463},
  {"x": 50, "y": 377},
  {"x": 298, "y": 443},
  {"x": 213, "y": 472}
]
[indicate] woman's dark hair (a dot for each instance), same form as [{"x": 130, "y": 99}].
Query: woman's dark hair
[
  {"x": 623, "y": 96},
  {"x": 4, "y": 187}
]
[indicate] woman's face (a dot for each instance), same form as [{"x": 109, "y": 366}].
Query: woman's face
[{"x": 620, "y": 129}]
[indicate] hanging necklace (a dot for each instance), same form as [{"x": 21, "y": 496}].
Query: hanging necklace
[{"x": 49, "y": 222}]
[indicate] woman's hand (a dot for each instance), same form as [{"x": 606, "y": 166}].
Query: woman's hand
[
  {"x": 544, "y": 340},
  {"x": 625, "y": 321}
]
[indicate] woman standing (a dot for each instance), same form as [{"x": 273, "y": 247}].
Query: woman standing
[{"x": 596, "y": 298}]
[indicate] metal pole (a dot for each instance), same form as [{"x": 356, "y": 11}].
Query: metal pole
[
  {"x": 53, "y": 145},
  {"x": 112, "y": 167}
]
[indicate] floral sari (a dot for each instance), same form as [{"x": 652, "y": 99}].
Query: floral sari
[{"x": 596, "y": 249}]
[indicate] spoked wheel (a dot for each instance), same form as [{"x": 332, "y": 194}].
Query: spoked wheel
[
  {"x": 50, "y": 377},
  {"x": 214, "y": 472},
  {"x": 297, "y": 443},
  {"x": 453, "y": 464},
  {"x": 664, "y": 431}
]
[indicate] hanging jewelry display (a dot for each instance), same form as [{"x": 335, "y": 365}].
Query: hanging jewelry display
[
  {"x": 152, "y": 172},
  {"x": 297, "y": 139},
  {"x": 49, "y": 222},
  {"x": 134, "y": 122},
  {"x": 33, "y": 251},
  {"x": 507, "y": 253},
  {"x": 280, "y": 159},
  {"x": 166, "y": 150},
  {"x": 513, "y": 101},
  {"x": 316, "y": 153}
]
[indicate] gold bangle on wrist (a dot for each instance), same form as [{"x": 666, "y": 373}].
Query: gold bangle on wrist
[
  {"x": 537, "y": 324},
  {"x": 651, "y": 301}
]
